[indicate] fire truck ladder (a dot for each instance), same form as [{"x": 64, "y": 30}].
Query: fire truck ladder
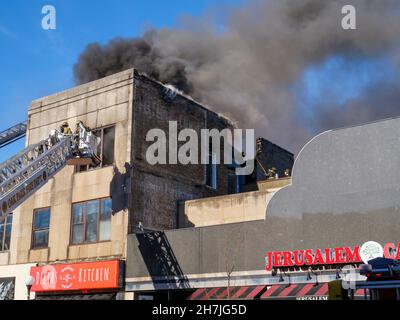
[
  {"x": 12, "y": 134},
  {"x": 29, "y": 170}
]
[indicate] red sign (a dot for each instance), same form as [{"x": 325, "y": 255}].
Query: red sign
[
  {"x": 76, "y": 276},
  {"x": 338, "y": 255}
]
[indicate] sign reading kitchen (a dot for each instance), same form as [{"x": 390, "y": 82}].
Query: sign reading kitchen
[{"x": 76, "y": 276}]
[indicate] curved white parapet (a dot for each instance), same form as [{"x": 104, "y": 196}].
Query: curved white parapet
[{"x": 350, "y": 170}]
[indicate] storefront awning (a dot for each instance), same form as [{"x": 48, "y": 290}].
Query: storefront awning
[
  {"x": 97, "y": 296},
  {"x": 293, "y": 291},
  {"x": 221, "y": 293}
]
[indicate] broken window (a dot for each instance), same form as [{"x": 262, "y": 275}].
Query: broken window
[{"x": 105, "y": 149}]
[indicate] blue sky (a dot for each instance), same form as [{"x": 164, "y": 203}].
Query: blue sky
[
  {"x": 36, "y": 63},
  {"x": 338, "y": 79}
]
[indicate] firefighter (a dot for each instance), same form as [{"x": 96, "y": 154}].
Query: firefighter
[
  {"x": 286, "y": 173},
  {"x": 65, "y": 129}
]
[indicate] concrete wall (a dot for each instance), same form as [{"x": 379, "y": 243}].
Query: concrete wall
[
  {"x": 273, "y": 185},
  {"x": 101, "y": 103},
  {"x": 241, "y": 207},
  {"x": 20, "y": 273},
  {"x": 344, "y": 191}
]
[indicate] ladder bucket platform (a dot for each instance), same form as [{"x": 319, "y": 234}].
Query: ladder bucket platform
[{"x": 80, "y": 161}]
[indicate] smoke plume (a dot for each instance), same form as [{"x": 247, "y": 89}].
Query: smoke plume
[{"x": 248, "y": 70}]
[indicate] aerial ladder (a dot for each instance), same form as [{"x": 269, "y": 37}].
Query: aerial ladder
[
  {"x": 12, "y": 134},
  {"x": 26, "y": 172}
]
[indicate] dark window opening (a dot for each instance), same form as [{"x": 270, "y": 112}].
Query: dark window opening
[
  {"x": 105, "y": 149},
  {"x": 211, "y": 169},
  {"x": 235, "y": 183}
]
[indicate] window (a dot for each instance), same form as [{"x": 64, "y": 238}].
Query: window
[
  {"x": 105, "y": 149},
  {"x": 91, "y": 221},
  {"x": 235, "y": 183},
  {"x": 41, "y": 226},
  {"x": 5, "y": 232},
  {"x": 211, "y": 171}
]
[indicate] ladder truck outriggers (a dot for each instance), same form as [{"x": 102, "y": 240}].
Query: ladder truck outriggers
[{"x": 26, "y": 172}]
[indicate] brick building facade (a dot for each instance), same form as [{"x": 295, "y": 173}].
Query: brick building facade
[{"x": 157, "y": 190}]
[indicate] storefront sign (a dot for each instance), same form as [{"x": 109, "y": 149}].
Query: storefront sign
[
  {"x": 370, "y": 250},
  {"x": 77, "y": 276},
  {"x": 327, "y": 256}
]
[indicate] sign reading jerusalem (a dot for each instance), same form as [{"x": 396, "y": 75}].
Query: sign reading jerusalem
[
  {"x": 76, "y": 276},
  {"x": 329, "y": 256}
]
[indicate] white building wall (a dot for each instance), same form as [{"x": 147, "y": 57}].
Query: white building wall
[{"x": 20, "y": 272}]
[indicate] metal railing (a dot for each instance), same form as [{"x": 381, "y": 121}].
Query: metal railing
[
  {"x": 24, "y": 173},
  {"x": 12, "y": 134}
]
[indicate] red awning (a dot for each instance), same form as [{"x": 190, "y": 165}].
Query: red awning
[
  {"x": 197, "y": 294},
  {"x": 279, "y": 291},
  {"x": 221, "y": 293},
  {"x": 295, "y": 291},
  {"x": 359, "y": 292}
]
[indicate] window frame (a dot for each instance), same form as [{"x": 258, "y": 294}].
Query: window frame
[
  {"x": 3, "y": 237},
  {"x": 101, "y": 129},
  {"x": 33, "y": 247},
  {"x": 212, "y": 171},
  {"x": 99, "y": 200}
]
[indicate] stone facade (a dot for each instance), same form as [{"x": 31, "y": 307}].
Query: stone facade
[{"x": 234, "y": 208}]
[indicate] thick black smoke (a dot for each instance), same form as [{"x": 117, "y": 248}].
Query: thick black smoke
[
  {"x": 120, "y": 54},
  {"x": 247, "y": 71}
]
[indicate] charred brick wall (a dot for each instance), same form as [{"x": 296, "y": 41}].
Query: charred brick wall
[{"x": 157, "y": 189}]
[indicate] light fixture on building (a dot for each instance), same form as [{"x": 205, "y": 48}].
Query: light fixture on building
[
  {"x": 308, "y": 275},
  {"x": 316, "y": 278},
  {"x": 289, "y": 282},
  {"x": 281, "y": 277},
  {"x": 337, "y": 274},
  {"x": 29, "y": 283}
]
